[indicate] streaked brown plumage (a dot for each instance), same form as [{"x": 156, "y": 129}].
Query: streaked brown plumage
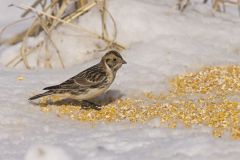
[{"x": 90, "y": 83}]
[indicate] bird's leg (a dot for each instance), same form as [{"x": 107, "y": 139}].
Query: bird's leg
[{"x": 93, "y": 105}]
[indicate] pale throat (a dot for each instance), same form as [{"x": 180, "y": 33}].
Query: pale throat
[{"x": 111, "y": 74}]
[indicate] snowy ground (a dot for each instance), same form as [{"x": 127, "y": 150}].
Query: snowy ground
[{"x": 163, "y": 43}]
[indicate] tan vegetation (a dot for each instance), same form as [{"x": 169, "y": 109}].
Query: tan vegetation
[
  {"x": 220, "y": 5},
  {"x": 52, "y": 15},
  {"x": 217, "y": 5}
]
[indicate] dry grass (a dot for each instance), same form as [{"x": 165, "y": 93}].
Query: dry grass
[
  {"x": 220, "y": 5},
  {"x": 217, "y": 5},
  {"x": 51, "y": 16}
]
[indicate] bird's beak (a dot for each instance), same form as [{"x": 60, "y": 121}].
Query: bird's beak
[{"x": 124, "y": 62}]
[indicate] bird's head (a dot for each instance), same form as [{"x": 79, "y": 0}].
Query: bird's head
[{"x": 113, "y": 59}]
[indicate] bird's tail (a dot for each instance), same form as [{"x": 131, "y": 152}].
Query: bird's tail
[{"x": 40, "y": 95}]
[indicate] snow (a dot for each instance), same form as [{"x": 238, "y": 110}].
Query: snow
[
  {"x": 162, "y": 43},
  {"x": 43, "y": 152}
]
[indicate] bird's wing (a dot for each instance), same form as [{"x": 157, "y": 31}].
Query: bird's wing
[{"x": 89, "y": 78}]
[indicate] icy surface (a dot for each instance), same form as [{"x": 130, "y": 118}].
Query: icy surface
[{"x": 162, "y": 43}]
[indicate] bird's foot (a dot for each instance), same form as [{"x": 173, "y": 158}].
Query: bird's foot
[{"x": 91, "y": 105}]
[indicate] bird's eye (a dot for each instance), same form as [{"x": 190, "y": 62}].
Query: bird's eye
[{"x": 114, "y": 59}]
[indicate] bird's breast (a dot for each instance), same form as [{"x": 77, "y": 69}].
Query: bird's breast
[{"x": 92, "y": 93}]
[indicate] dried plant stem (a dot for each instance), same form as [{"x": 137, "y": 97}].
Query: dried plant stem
[
  {"x": 112, "y": 44},
  {"x": 53, "y": 15},
  {"x": 70, "y": 24},
  {"x": 103, "y": 18},
  {"x": 47, "y": 63},
  {"x": 43, "y": 4},
  {"x": 23, "y": 47},
  {"x": 239, "y": 7},
  {"x": 59, "y": 14},
  {"x": 35, "y": 4},
  {"x": 81, "y": 3},
  {"x": 19, "y": 37},
  {"x": 13, "y": 60},
  {"x": 11, "y": 40},
  {"x": 216, "y": 4},
  {"x": 80, "y": 11},
  {"x": 19, "y": 58},
  {"x": 60, "y": 20},
  {"x": 114, "y": 26},
  {"x": 48, "y": 32},
  {"x": 54, "y": 2}
]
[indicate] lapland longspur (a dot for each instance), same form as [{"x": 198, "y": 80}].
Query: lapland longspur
[{"x": 90, "y": 83}]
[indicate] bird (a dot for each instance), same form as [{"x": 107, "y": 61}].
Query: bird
[{"x": 89, "y": 83}]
